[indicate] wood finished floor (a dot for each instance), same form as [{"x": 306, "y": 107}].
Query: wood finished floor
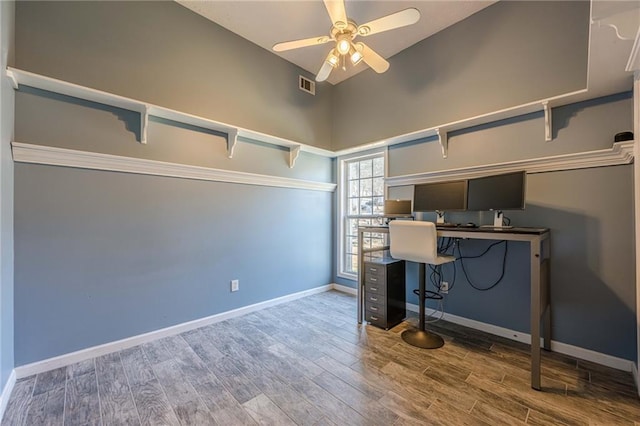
[{"x": 308, "y": 362}]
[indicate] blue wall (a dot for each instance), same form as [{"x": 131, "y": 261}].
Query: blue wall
[
  {"x": 589, "y": 212},
  {"x": 6, "y": 195},
  {"x": 102, "y": 256}
]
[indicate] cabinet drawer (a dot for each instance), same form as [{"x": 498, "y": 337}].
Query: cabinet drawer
[
  {"x": 374, "y": 279},
  {"x": 375, "y": 298},
  {"x": 375, "y": 288},
  {"x": 374, "y": 270},
  {"x": 376, "y": 319},
  {"x": 376, "y": 308}
]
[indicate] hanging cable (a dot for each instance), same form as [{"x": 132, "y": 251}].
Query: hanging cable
[
  {"x": 504, "y": 262},
  {"x": 440, "y": 309}
]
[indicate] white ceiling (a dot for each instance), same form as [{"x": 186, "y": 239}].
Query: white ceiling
[{"x": 266, "y": 23}]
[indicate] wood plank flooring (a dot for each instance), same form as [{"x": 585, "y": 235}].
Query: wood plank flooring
[{"x": 307, "y": 362}]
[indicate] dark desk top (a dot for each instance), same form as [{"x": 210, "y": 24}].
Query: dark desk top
[{"x": 491, "y": 229}]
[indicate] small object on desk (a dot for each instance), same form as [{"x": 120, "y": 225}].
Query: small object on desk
[
  {"x": 447, "y": 225},
  {"x": 468, "y": 225}
]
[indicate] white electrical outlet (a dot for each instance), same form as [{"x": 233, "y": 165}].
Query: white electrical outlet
[
  {"x": 444, "y": 287},
  {"x": 235, "y": 285}
]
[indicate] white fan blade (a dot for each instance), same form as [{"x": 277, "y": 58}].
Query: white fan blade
[
  {"x": 295, "y": 44},
  {"x": 371, "y": 58},
  {"x": 325, "y": 70},
  {"x": 337, "y": 13},
  {"x": 390, "y": 22}
]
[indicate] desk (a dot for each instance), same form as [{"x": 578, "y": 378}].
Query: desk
[{"x": 538, "y": 239}]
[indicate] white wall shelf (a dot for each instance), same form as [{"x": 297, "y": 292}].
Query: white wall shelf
[
  {"x": 235, "y": 133},
  {"x": 20, "y": 77},
  {"x": 442, "y": 131}
]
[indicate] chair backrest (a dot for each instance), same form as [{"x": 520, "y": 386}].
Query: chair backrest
[{"x": 415, "y": 241}]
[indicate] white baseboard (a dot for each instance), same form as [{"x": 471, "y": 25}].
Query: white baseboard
[
  {"x": 344, "y": 289},
  {"x": 563, "y": 348},
  {"x": 118, "y": 345},
  {"x": 6, "y": 392}
]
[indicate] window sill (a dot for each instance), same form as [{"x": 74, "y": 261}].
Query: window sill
[{"x": 350, "y": 277}]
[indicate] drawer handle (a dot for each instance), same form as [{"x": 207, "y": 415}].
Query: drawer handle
[
  {"x": 374, "y": 318},
  {"x": 374, "y": 289},
  {"x": 373, "y": 279},
  {"x": 373, "y": 299},
  {"x": 373, "y": 308},
  {"x": 373, "y": 269}
]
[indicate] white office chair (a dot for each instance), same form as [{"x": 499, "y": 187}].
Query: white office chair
[{"x": 417, "y": 241}]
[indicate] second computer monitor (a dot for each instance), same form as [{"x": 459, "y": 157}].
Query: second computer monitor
[
  {"x": 440, "y": 196},
  {"x": 499, "y": 192}
]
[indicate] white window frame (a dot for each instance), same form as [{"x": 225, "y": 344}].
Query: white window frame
[{"x": 342, "y": 203}]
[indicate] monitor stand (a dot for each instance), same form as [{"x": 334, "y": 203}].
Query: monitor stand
[
  {"x": 440, "y": 221},
  {"x": 498, "y": 218}
]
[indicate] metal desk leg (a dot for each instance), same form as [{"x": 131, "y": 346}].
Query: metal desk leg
[
  {"x": 535, "y": 313},
  {"x": 360, "y": 275},
  {"x": 546, "y": 316}
]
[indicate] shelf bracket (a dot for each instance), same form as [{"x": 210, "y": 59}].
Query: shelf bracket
[
  {"x": 14, "y": 80},
  {"x": 144, "y": 123},
  {"x": 548, "y": 129},
  {"x": 294, "y": 152},
  {"x": 444, "y": 142},
  {"x": 232, "y": 140}
]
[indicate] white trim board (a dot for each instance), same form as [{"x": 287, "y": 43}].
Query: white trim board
[
  {"x": 620, "y": 153},
  {"x": 344, "y": 289},
  {"x": 563, "y": 348},
  {"x": 6, "y": 392},
  {"x": 38, "y": 154},
  {"x": 118, "y": 345}
]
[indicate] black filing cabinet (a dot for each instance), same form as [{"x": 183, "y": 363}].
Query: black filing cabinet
[{"x": 385, "y": 292}]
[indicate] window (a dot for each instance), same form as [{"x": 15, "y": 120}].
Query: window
[{"x": 361, "y": 203}]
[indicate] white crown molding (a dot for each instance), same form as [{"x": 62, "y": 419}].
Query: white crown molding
[
  {"x": 563, "y": 348},
  {"x": 6, "y": 392},
  {"x": 619, "y": 153},
  {"x": 38, "y": 154},
  {"x": 95, "y": 351}
]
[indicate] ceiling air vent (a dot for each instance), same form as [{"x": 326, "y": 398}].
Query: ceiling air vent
[{"x": 306, "y": 85}]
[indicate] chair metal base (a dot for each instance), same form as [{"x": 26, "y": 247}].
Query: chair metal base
[{"x": 422, "y": 339}]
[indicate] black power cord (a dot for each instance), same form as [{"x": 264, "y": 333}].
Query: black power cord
[{"x": 504, "y": 263}]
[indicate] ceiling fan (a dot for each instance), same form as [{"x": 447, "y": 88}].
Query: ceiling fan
[{"x": 344, "y": 31}]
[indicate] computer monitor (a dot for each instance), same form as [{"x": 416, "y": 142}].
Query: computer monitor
[
  {"x": 440, "y": 196},
  {"x": 498, "y": 192},
  {"x": 397, "y": 208}
]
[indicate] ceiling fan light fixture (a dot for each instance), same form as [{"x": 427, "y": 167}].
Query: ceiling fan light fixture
[
  {"x": 333, "y": 59},
  {"x": 355, "y": 55},
  {"x": 343, "y": 45}
]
